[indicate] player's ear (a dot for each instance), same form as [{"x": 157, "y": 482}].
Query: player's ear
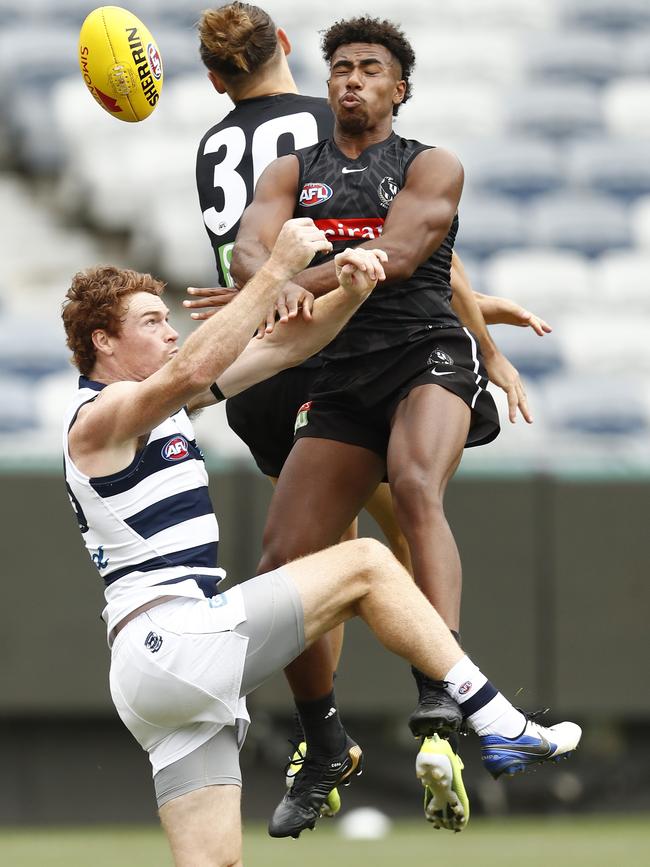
[
  {"x": 217, "y": 82},
  {"x": 400, "y": 92},
  {"x": 102, "y": 342},
  {"x": 283, "y": 39}
]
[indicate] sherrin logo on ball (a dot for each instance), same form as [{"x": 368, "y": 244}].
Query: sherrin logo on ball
[{"x": 120, "y": 63}]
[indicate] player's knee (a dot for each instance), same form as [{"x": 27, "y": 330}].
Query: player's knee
[
  {"x": 371, "y": 560},
  {"x": 416, "y": 498}
]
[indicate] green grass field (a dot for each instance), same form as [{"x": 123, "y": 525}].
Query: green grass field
[{"x": 572, "y": 842}]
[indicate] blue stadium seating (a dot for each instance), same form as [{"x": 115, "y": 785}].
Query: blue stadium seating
[
  {"x": 619, "y": 167},
  {"x": 513, "y": 166},
  {"x": 609, "y": 15},
  {"x": 488, "y": 224},
  {"x": 573, "y": 57},
  {"x": 556, "y": 111},
  {"x": 585, "y": 222}
]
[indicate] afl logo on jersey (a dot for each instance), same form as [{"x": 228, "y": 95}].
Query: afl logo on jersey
[
  {"x": 175, "y": 449},
  {"x": 314, "y": 194},
  {"x": 387, "y": 190}
]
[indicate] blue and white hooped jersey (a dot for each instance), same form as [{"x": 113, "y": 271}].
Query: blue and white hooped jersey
[{"x": 150, "y": 529}]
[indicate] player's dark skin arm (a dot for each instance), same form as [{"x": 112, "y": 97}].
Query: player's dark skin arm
[{"x": 433, "y": 187}]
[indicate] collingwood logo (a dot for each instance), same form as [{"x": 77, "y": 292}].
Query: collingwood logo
[
  {"x": 387, "y": 190},
  {"x": 439, "y": 357}
]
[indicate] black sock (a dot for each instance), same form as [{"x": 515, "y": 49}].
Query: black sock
[{"x": 323, "y": 729}]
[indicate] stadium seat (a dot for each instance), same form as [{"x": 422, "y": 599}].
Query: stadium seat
[
  {"x": 622, "y": 282},
  {"x": 605, "y": 14},
  {"x": 515, "y": 15},
  {"x": 551, "y": 282},
  {"x": 31, "y": 347},
  {"x": 587, "y": 223},
  {"x": 619, "y": 167},
  {"x": 641, "y": 223},
  {"x": 534, "y": 357},
  {"x": 179, "y": 48},
  {"x": 443, "y": 111},
  {"x": 572, "y": 57},
  {"x": 174, "y": 241},
  {"x": 635, "y": 50},
  {"x": 53, "y": 393},
  {"x": 484, "y": 55},
  {"x": 516, "y": 167},
  {"x": 556, "y": 111},
  {"x": 597, "y": 405},
  {"x": 26, "y": 81},
  {"x": 607, "y": 341},
  {"x": 626, "y": 107},
  {"x": 18, "y": 405},
  {"x": 489, "y": 224}
]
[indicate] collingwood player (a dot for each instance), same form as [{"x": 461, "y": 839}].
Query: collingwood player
[
  {"x": 245, "y": 55},
  {"x": 403, "y": 388}
]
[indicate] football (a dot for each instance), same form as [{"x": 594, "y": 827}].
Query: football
[{"x": 120, "y": 63}]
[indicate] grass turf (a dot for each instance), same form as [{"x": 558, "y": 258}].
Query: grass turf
[{"x": 568, "y": 842}]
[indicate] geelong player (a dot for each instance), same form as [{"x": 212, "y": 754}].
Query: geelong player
[
  {"x": 403, "y": 388},
  {"x": 183, "y": 655}
]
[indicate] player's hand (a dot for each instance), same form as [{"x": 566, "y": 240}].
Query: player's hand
[
  {"x": 208, "y": 301},
  {"x": 505, "y": 311},
  {"x": 292, "y": 300},
  {"x": 504, "y": 374},
  {"x": 359, "y": 270},
  {"x": 296, "y": 245}
]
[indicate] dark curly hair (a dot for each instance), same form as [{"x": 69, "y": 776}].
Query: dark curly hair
[
  {"x": 376, "y": 31},
  {"x": 95, "y": 300}
]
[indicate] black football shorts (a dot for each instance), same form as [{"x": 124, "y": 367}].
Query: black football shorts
[
  {"x": 353, "y": 400},
  {"x": 264, "y": 415}
]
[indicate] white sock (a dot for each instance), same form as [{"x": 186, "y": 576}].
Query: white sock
[{"x": 486, "y": 710}]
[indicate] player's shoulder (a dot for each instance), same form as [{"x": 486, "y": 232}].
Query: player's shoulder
[
  {"x": 229, "y": 119},
  {"x": 421, "y": 154}
]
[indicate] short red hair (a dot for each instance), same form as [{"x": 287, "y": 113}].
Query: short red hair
[{"x": 95, "y": 300}]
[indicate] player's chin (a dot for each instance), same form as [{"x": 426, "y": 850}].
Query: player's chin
[{"x": 352, "y": 121}]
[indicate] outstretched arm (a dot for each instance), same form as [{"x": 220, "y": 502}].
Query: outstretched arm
[
  {"x": 293, "y": 342},
  {"x": 497, "y": 310},
  {"x": 417, "y": 222},
  {"x": 123, "y": 411},
  {"x": 500, "y": 371}
]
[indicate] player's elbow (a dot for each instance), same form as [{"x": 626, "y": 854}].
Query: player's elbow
[
  {"x": 245, "y": 253},
  {"x": 403, "y": 264}
]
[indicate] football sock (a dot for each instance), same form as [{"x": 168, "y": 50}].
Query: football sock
[
  {"x": 487, "y": 711},
  {"x": 324, "y": 732},
  {"x": 422, "y": 680}
]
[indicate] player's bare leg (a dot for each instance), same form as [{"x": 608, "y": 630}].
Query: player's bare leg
[
  {"x": 204, "y": 827},
  {"x": 323, "y": 486},
  {"x": 337, "y": 634},
  {"x": 428, "y": 434},
  {"x": 363, "y": 579},
  {"x": 380, "y": 506}
]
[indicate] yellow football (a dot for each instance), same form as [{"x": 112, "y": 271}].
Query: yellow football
[{"x": 120, "y": 63}]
